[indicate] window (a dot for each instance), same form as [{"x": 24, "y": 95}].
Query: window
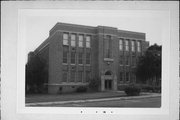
[
  {"x": 73, "y": 40},
  {"x": 80, "y": 40},
  {"x": 121, "y": 60},
  {"x": 127, "y": 45},
  {"x": 132, "y": 46},
  {"x": 127, "y": 76},
  {"x": 80, "y": 76},
  {"x": 138, "y": 46},
  {"x": 121, "y": 76},
  {"x": 88, "y": 58},
  {"x": 133, "y": 60},
  {"x": 65, "y": 54},
  {"x": 64, "y": 76},
  {"x": 72, "y": 76},
  {"x": 88, "y": 76},
  {"x": 121, "y": 44},
  {"x": 65, "y": 39},
  {"x": 80, "y": 58},
  {"x": 133, "y": 77},
  {"x": 107, "y": 46},
  {"x": 73, "y": 57},
  {"x": 127, "y": 60},
  {"x": 88, "y": 40}
]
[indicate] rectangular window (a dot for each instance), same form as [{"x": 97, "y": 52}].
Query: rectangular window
[
  {"x": 65, "y": 39},
  {"x": 138, "y": 46},
  {"x": 80, "y": 76},
  {"x": 73, "y": 57},
  {"x": 133, "y": 60},
  {"x": 127, "y": 76},
  {"x": 73, "y": 40},
  {"x": 121, "y": 76},
  {"x": 121, "y": 60},
  {"x": 127, "y": 60},
  {"x": 134, "y": 77},
  {"x": 80, "y": 41},
  {"x": 88, "y": 76},
  {"x": 127, "y": 45},
  {"x": 88, "y": 56},
  {"x": 88, "y": 41},
  {"x": 121, "y": 44},
  {"x": 107, "y": 46},
  {"x": 73, "y": 75},
  {"x": 132, "y": 46},
  {"x": 64, "y": 76},
  {"x": 65, "y": 54},
  {"x": 80, "y": 58}
]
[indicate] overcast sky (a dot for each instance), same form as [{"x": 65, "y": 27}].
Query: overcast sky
[{"x": 151, "y": 22}]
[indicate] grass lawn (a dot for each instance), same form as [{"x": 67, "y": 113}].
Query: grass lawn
[{"x": 72, "y": 96}]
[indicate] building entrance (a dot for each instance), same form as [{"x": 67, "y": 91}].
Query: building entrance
[
  {"x": 108, "y": 81},
  {"x": 108, "y": 84}
]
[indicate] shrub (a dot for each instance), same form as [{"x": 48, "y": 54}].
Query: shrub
[
  {"x": 81, "y": 89},
  {"x": 151, "y": 88},
  {"x": 94, "y": 84},
  {"x": 157, "y": 89},
  {"x": 132, "y": 90},
  {"x": 147, "y": 88}
]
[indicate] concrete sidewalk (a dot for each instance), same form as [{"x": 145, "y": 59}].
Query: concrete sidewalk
[{"x": 144, "y": 95}]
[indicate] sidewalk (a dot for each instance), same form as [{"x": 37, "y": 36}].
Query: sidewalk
[{"x": 143, "y": 95}]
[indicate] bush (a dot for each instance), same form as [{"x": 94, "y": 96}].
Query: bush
[
  {"x": 157, "y": 89},
  {"x": 132, "y": 90},
  {"x": 81, "y": 89},
  {"x": 94, "y": 84},
  {"x": 151, "y": 88}
]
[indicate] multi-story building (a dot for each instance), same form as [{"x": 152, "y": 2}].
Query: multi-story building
[{"x": 74, "y": 54}]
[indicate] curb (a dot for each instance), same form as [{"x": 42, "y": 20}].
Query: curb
[{"x": 91, "y": 100}]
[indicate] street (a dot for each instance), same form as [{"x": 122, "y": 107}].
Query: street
[{"x": 153, "y": 102}]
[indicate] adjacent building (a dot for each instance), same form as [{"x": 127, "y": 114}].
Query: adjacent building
[{"x": 75, "y": 54}]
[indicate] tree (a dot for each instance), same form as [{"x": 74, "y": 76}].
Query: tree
[
  {"x": 149, "y": 65},
  {"x": 35, "y": 74}
]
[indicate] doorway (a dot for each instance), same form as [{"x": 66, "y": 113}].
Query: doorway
[{"x": 108, "y": 84}]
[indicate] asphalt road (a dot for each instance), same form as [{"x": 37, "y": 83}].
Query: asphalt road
[{"x": 154, "y": 102}]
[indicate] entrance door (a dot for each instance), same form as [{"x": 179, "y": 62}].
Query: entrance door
[{"x": 108, "y": 84}]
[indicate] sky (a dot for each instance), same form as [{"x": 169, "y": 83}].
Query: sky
[{"x": 151, "y": 22}]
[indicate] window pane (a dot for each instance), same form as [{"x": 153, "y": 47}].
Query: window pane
[
  {"x": 132, "y": 46},
  {"x": 80, "y": 76},
  {"x": 127, "y": 60},
  {"x": 64, "y": 76},
  {"x": 107, "y": 46},
  {"x": 120, "y": 44},
  {"x": 121, "y": 76},
  {"x": 65, "y": 39},
  {"x": 73, "y": 40},
  {"x": 138, "y": 46},
  {"x": 73, "y": 57},
  {"x": 121, "y": 60},
  {"x": 127, "y": 76},
  {"x": 88, "y": 39},
  {"x": 127, "y": 45},
  {"x": 133, "y": 60},
  {"x": 87, "y": 58},
  {"x": 80, "y": 41},
  {"x": 72, "y": 76},
  {"x": 88, "y": 76},
  {"x": 65, "y": 55},
  {"x": 80, "y": 58}
]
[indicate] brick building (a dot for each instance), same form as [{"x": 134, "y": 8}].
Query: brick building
[{"x": 74, "y": 54}]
